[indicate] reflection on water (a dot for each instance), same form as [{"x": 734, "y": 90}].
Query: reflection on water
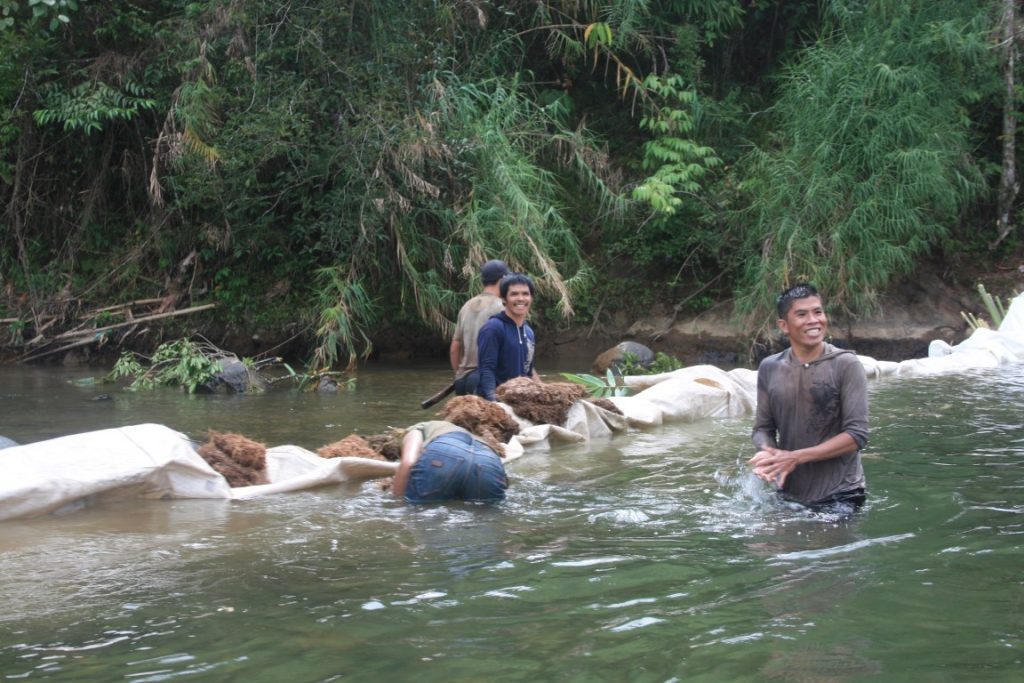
[{"x": 653, "y": 556}]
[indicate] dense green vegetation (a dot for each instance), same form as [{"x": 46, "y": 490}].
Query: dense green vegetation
[{"x": 350, "y": 164}]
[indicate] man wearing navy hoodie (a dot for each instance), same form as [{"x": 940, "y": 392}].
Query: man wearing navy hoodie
[{"x": 506, "y": 343}]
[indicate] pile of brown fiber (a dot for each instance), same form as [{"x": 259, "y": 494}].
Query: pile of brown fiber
[
  {"x": 540, "y": 402},
  {"x": 484, "y": 419},
  {"x": 605, "y": 403},
  {"x": 376, "y": 446},
  {"x": 242, "y": 461}
]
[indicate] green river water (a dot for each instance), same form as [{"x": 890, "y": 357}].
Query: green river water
[{"x": 652, "y": 556}]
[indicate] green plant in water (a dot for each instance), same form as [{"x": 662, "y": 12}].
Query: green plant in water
[
  {"x": 662, "y": 363},
  {"x": 996, "y": 309},
  {"x": 597, "y": 386},
  {"x": 311, "y": 380},
  {"x": 179, "y": 363}
]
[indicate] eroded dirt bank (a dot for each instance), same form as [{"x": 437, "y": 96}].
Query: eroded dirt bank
[{"x": 915, "y": 310}]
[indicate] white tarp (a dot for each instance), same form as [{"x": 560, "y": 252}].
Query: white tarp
[
  {"x": 985, "y": 348},
  {"x": 148, "y": 461},
  {"x": 153, "y": 461}
]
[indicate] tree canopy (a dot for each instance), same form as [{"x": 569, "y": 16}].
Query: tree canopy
[{"x": 352, "y": 164}]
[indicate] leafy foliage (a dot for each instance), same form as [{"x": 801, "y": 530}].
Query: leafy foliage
[
  {"x": 662, "y": 363},
  {"x": 178, "y": 363},
  {"x": 349, "y": 166},
  {"x": 597, "y": 386},
  {"x": 677, "y": 161},
  {"x": 88, "y": 105},
  {"x": 871, "y": 161}
]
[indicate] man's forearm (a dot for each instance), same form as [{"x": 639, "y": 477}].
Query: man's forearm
[
  {"x": 764, "y": 439},
  {"x": 455, "y": 355},
  {"x": 412, "y": 447},
  {"x": 840, "y": 444}
]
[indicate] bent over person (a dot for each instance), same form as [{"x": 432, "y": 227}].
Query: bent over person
[
  {"x": 812, "y": 410},
  {"x": 442, "y": 461}
]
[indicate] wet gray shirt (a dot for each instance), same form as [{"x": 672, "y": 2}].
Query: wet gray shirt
[
  {"x": 472, "y": 316},
  {"x": 800, "y": 405}
]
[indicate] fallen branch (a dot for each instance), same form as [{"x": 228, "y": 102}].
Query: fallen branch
[
  {"x": 68, "y": 347},
  {"x": 118, "y": 307},
  {"x": 84, "y": 337},
  {"x": 136, "y": 321}
]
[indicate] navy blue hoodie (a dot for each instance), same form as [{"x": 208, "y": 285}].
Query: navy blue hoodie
[{"x": 504, "y": 351}]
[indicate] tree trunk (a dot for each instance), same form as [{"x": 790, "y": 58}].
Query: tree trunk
[{"x": 1009, "y": 186}]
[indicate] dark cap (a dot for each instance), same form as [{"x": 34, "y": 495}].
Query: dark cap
[{"x": 492, "y": 271}]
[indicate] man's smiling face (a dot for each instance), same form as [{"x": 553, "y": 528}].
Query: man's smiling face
[
  {"x": 517, "y": 302},
  {"x": 805, "y": 324}
]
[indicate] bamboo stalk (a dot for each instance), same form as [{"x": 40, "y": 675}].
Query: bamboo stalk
[
  {"x": 129, "y": 304},
  {"x": 83, "y": 342},
  {"x": 136, "y": 321}
]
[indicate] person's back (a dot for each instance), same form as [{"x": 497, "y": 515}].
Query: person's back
[
  {"x": 472, "y": 317},
  {"x": 442, "y": 461}
]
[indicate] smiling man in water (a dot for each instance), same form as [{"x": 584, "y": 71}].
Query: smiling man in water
[
  {"x": 505, "y": 345},
  {"x": 812, "y": 411}
]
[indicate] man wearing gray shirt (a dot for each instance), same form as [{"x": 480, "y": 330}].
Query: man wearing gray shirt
[
  {"x": 812, "y": 410},
  {"x": 472, "y": 316}
]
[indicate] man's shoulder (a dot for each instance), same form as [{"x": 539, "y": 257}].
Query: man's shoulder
[
  {"x": 842, "y": 357},
  {"x": 481, "y": 300},
  {"x": 494, "y": 323},
  {"x": 775, "y": 359}
]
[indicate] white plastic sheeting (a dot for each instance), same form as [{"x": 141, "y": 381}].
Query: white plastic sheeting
[
  {"x": 148, "y": 461},
  {"x": 985, "y": 348},
  {"x": 153, "y": 461}
]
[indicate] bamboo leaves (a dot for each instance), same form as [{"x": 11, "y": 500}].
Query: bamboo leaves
[{"x": 871, "y": 162}]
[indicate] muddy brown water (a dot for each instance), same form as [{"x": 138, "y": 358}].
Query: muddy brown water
[{"x": 651, "y": 556}]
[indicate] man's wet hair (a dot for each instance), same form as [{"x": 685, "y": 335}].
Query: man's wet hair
[
  {"x": 801, "y": 290},
  {"x": 514, "y": 279}
]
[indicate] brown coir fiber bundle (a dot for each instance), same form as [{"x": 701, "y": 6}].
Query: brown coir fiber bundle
[
  {"x": 389, "y": 444},
  {"x": 485, "y": 420},
  {"x": 353, "y": 446},
  {"x": 242, "y": 461},
  {"x": 605, "y": 403},
  {"x": 386, "y": 446},
  {"x": 540, "y": 402}
]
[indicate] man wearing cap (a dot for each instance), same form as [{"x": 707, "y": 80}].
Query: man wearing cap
[{"x": 474, "y": 313}]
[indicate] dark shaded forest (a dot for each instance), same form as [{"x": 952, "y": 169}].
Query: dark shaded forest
[{"x": 337, "y": 171}]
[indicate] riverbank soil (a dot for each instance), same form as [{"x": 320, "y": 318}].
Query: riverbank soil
[{"x": 915, "y": 310}]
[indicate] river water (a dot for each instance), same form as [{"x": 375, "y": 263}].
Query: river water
[{"x": 653, "y": 556}]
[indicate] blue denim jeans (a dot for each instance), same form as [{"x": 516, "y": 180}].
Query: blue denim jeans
[
  {"x": 467, "y": 383},
  {"x": 456, "y": 466}
]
